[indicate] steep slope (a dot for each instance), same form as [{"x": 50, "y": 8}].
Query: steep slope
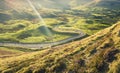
[{"x": 99, "y": 53}]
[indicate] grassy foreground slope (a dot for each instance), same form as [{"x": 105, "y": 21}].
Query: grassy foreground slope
[
  {"x": 99, "y": 53},
  {"x": 6, "y": 52}
]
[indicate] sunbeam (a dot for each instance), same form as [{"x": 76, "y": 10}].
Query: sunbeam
[
  {"x": 38, "y": 14},
  {"x": 44, "y": 28}
]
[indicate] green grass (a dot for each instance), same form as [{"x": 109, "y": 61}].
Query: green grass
[
  {"x": 10, "y": 49},
  {"x": 15, "y": 49},
  {"x": 26, "y": 32},
  {"x": 98, "y": 53},
  {"x": 72, "y": 57},
  {"x": 29, "y": 34},
  {"x": 90, "y": 20}
]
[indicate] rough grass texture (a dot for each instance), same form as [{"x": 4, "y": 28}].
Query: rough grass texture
[{"x": 98, "y": 53}]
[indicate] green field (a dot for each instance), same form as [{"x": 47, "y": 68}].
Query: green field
[
  {"x": 43, "y": 36},
  {"x": 25, "y": 30}
]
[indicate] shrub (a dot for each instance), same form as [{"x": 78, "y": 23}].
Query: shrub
[
  {"x": 24, "y": 35},
  {"x": 42, "y": 70},
  {"x": 119, "y": 34},
  {"x": 109, "y": 55},
  {"x": 102, "y": 67},
  {"x": 89, "y": 21},
  {"x": 92, "y": 52},
  {"x": 106, "y": 45},
  {"x": 60, "y": 67},
  {"x": 81, "y": 62}
]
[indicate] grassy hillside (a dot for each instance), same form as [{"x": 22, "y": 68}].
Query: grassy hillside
[
  {"x": 87, "y": 15},
  {"x": 28, "y": 32},
  {"x": 6, "y": 52},
  {"x": 99, "y": 53},
  {"x": 24, "y": 26}
]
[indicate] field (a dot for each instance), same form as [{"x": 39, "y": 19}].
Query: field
[
  {"x": 6, "y": 52},
  {"x": 97, "y": 53},
  {"x": 30, "y": 31},
  {"x": 59, "y": 36}
]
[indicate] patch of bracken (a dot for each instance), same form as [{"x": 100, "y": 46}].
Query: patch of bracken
[
  {"x": 60, "y": 67},
  {"x": 42, "y": 70},
  {"x": 109, "y": 56},
  {"x": 92, "y": 52},
  {"x": 81, "y": 62},
  {"x": 102, "y": 67}
]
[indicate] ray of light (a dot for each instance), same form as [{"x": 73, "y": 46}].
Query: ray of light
[
  {"x": 46, "y": 32},
  {"x": 38, "y": 14}
]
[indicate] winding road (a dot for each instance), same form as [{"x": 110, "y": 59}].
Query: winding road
[{"x": 44, "y": 45}]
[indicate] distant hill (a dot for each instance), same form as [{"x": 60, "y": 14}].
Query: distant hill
[
  {"x": 20, "y": 9},
  {"x": 3, "y": 6},
  {"x": 99, "y": 53},
  {"x": 62, "y": 4}
]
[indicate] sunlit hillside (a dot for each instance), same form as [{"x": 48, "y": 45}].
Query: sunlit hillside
[
  {"x": 98, "y": 53},
  {"x": 19, "y": 21},
  {"x": 59, "y": 36}
]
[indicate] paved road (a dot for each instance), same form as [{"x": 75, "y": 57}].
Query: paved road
[{"x": 44, "y": 45}]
